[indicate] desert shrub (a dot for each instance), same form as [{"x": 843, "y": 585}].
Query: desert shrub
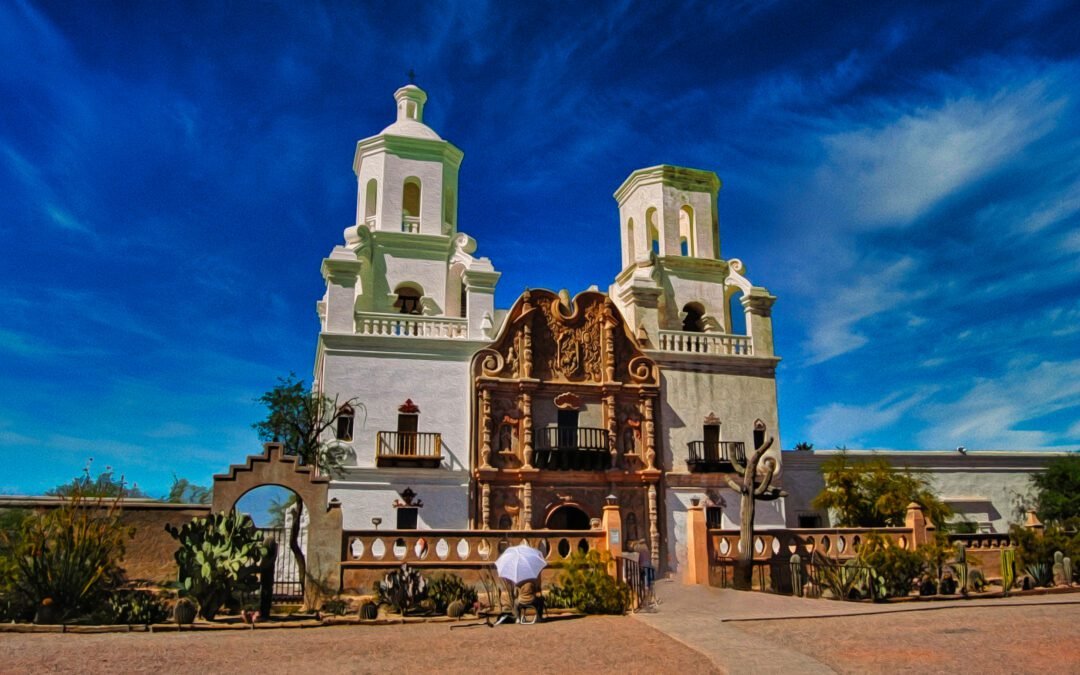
[
  {"x": 134, "y": 606},
  {"x": 1032, "y": 548},
  {"x": 218, "y": 560},
  {"x": 66, "y": 558},
  {"x": 586, "y": 586},
  {"x": 894, "y": 570},
  {"x": 402, "y": 589},
  {"x": 447, "y": 588}
]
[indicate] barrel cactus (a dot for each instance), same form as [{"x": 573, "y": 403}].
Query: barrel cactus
[
  {"x": 184, "y": 612},
  {"x": 1008, "y": 569},
  {"x": 455, "y": 609},
  {"x": 369, "y": 611}
]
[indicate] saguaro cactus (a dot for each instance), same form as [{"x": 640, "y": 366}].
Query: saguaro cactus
[
  {"x": 962, "y": 567},
  {"x": 752, "y": 487}
]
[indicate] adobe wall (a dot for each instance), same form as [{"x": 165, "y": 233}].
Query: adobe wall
[{"x": 149, "y": 554}]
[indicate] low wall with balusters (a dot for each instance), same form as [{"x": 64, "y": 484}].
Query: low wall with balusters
[{"x": 367, "y": 555}]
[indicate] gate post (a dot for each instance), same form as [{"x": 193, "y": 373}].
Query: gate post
[
  {"x": 697, "y": 544},
  {"x": 611, "y": 524}
]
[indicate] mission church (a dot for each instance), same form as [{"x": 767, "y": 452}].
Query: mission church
[{"x": 534, "y": 417}]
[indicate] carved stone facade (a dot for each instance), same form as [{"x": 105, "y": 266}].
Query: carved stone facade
[{"x": 564, "y": 415}]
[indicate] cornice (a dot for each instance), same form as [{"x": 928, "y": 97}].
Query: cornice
[
  {"x": 758, "y": 366},
  {"x": 693, "y": 180},
  {"x": 390, "y": 346},
  {"x": 409, "y": 148}
]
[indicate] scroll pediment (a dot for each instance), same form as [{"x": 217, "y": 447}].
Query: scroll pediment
[{"x": 551, "y": 338}]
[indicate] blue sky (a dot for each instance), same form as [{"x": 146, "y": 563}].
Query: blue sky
[{"x": 906, "y": 179}]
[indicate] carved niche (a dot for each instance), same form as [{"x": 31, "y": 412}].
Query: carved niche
[{"x": 553, "y": 338}]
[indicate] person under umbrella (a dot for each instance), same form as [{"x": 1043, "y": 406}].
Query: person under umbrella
[{"x": 521, "y": 565}]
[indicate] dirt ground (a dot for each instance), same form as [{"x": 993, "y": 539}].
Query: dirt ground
[
  {"x": 561, "y": 645},
  {"x": 1022, "y": 639}
]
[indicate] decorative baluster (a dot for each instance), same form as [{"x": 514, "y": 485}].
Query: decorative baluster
[
  {"x": 654, "y": 528},
  {"x": 650, "y": 440},
  {"x": 485, "y": 506}
]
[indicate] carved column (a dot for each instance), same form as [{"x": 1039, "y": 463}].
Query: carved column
[
  {"x": 527, "y": 428},
  {"x": 611, "y": 416},
  {"x": 485, "y": 430},
  {"x": 485, "y": 506},
  {"x": 526, "y": 506},
  {"x": 650, "y": 432},
  {"x": 654, "y": 528},
  {"x": 610, "y": 324},
  {"x": 526, "y": 349}
]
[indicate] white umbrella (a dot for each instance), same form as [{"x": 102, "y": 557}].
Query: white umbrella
[{"x": 520, "y": 563}]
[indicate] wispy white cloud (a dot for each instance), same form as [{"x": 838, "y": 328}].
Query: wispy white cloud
[
  {"x": 893, "y": 173},
  {"x": 992, "y": 412},
  {"x": 835, "y": 330},
  {"x": 838, "y": 424}
]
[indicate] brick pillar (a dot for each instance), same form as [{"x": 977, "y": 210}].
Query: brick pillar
[{"x": 697, "y": 545}]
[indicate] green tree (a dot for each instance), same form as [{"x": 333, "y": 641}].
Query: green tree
[
  {"x": 105, "y": 485},
  {"x": 803, "y": 446},
  {"x": 303, "y": 421},
  {"x": 1057, "y": 490},
  {"x": 872, "y": 493},
  {"x": 184, "y": 491}
]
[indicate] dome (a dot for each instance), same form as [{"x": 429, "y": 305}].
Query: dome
[{"x": 410, "y": 101}]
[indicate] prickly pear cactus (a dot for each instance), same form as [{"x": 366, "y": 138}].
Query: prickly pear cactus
[{"x": 1008, "y": 569}]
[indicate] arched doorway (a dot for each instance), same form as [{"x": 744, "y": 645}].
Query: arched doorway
[{"x": 567, "y": 517}]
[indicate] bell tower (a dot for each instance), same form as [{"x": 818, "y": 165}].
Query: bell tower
[{"x": 404, "y": 254}]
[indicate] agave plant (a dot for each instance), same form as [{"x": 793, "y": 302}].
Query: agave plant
[{"x": 1041, "y": 573}]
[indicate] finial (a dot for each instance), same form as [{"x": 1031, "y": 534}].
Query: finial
[{"x": 412, "y": 76}]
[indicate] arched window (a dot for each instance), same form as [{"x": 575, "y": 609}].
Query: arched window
[
  {"x": 630, "y": 243},
  {"x": 448, "y": 217},
  {"x": 686, "y": 231},
  {"x": 410, "y": 206},
  {"x": 737, "y": 314},
  {"x": 371, "y": 200},
  {"x": 408, "y": 299},
  {"x": 652, "y": 230},
  {"x": 692, "y": 321}
]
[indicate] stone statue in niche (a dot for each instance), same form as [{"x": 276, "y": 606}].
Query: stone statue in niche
[
  {"x": 506, "y": 437},
  {"x": 629, "y": 441},
  {"x": 511, "y": 362}
]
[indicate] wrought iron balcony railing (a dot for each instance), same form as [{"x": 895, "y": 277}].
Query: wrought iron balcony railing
[
  {"x": 572, "y": 449},
  {"x": 706, "y": 456},
  {"x": 402, "y": 448}
]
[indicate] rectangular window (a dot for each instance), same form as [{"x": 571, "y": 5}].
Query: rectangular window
[
  {"x": 345, "y": 428},
  {"x": 809, "y": 520},
  {"x": 714, "y": 517},
  {"x": 406, "y": 518}
]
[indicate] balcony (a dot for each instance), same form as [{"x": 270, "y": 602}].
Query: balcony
[
  {"x": 415, "y": 449},
  {"x": 410, "y": 326},
  {"x": 714, "y": 456},
  {"x": 716, "y": 344},
  {"x": 572, "y": 449}
]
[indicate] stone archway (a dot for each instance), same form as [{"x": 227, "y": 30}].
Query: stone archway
[
  {"x": 567, "y": 517},
  {"x": 274, "y": 467}
]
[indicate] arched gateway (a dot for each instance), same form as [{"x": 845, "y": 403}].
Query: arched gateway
[{"x": 274, "y": 467}]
